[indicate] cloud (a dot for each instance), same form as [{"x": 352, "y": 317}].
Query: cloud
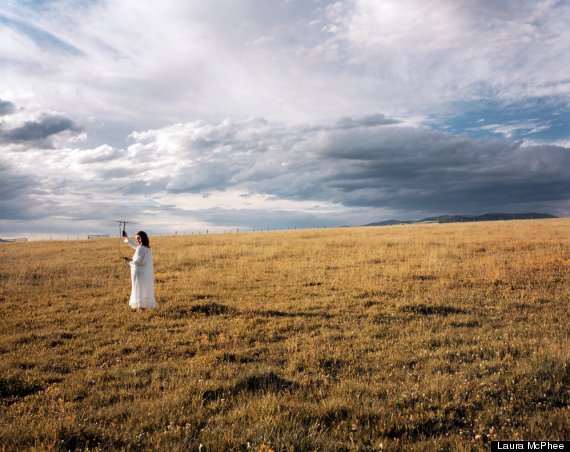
[
  {"x": 6, "y": 107},
  {"x": 437, "y": 51},
  {"x": 17, "y": 191},
  {"x": 379, "y": 165},
  {"x": 516, "y": 128},
  {"x": 41, "y": 37},
  {"x": 39, "y": 131},
  {"x": 414, "y": 169},
  {"x": 366, "y": 121},
  {"x": 254, "y": 173},
  {"x": 13, "y": 184},
  {"x": 280, "y": 60},
  {"x": 104, "y": 153}
]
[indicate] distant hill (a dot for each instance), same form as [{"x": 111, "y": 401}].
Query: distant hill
[{"x": 468, "y": 218}]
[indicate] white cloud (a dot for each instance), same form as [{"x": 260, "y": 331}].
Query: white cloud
[
  {"x": 458, "y": 50},
  {"x": 509, "y": 129},
  {"x": 160, "y": 63}
]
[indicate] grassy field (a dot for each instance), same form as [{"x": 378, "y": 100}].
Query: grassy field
[{"x": 423, "y": 337}]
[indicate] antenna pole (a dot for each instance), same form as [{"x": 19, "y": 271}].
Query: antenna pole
[{"x": 122, "y": 229}]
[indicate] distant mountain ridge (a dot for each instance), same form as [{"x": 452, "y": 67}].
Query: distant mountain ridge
[{"x": 468, "y": 218}]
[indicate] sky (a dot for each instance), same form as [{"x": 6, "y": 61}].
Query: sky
[{"x": 187, "y": 116}]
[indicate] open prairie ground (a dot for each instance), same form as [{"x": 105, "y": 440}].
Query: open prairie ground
[{"x": 424, "y": 337}]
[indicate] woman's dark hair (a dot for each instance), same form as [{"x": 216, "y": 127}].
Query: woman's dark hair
[{"x": 144, "y": 238}]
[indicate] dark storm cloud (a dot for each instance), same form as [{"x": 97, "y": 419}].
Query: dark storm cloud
[
  {"x": 369, "y": 162},
  {"x": 481, "y": 179},
  {"x": 39, "y": 131},
  {"x": 6, "y": 107},
  {"x": 419, "y": 169}
]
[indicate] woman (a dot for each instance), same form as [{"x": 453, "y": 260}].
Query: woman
[{"x": 142, "y": 273}]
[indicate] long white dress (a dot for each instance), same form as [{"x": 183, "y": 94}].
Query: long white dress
[{"x": 142, "y": 277}]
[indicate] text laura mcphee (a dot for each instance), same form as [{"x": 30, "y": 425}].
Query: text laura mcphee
[{"x": 530, "y": 445}]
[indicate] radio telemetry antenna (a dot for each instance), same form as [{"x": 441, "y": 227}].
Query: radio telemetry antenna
[{"x": 122, "y": 227}]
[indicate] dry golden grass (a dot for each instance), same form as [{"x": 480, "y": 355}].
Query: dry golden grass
[{"x": 422, "y": 337}]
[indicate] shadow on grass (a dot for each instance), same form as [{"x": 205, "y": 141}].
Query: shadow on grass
[
  {"x": 332, "y": 366},
  {"x": 207, "y": 309},
  {"x": 13, "y": 387},
  {"x": 276, "y": 313},
  {"x": 75, "y": 439},
  {"x": 424, "y": 277},
  {"x": 212, "y": 308},
  {"x": 253, "y": 384},
  {"x": 422, "y": 309},
  {"x": 265, "y": 382},
  {"x": 448, "y": 420},
  {"x": 236, "y": 358},
  {"x": 466, "y": 324}
]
